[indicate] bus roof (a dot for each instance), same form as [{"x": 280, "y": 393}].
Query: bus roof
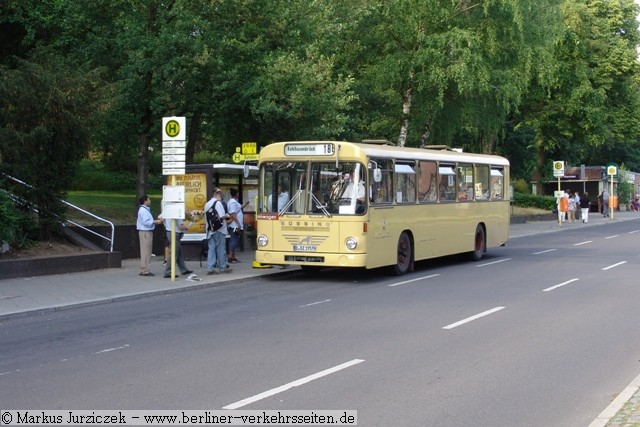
[{"x": 354, "y": 150}]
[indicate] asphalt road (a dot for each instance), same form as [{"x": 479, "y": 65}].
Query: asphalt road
[{"x": 537, "y": 333}]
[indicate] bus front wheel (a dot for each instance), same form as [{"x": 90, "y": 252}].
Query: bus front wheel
[
  {"x": 404, "y": 260},
  {"x": 479, "y": 243}
]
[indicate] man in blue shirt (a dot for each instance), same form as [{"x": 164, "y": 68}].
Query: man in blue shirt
[{"x": 145, "y": 225}]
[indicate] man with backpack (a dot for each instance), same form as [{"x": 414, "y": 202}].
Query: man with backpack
[{"x": 216, "y": 228}]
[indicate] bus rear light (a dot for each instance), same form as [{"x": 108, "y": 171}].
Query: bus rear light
[{"x": 263, "y": 240}]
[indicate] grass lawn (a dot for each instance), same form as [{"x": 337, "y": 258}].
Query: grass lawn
[{"x": 119, "y": 207}]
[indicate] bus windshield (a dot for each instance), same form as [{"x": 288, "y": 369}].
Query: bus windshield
[{"x": 324, "y": 188}]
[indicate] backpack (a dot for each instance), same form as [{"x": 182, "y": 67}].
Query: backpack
[{"x": 214, "y": 222}]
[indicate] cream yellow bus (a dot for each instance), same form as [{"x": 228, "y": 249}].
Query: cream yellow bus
[{"x": 373, "y": 204}]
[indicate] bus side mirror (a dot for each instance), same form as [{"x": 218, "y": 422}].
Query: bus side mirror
[{"x": 377, "y": 175}]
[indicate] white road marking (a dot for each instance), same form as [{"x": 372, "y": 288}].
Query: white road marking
[
  {"x": 493, "y": 262},
  {"x": 612, "y": 237},
  {"x": 314, "y": 303},
  {"x": 613, "y": 266},
  {"x": 107, "y": 350},
  {"x": 469, "y": 319},
  {"x": 560, "y": 284},
  {"x": 413, "y": 280},
  {"x": 582, "y": 243},
  {"x": 292, "y": 384},
  {"x": 544, "y": 252},
  {"x": 634, "y": 232}
]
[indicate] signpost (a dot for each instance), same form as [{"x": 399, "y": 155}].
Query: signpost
[
  {"x": 174, "y": 151},
  {"x": 248, "y": 152},
  {"x": 558, "y": 171},
  {"x": 612, "y": 172}
]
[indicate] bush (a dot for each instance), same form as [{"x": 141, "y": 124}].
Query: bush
[
  {"x": 534, "y": 201},
  {"x": 19, "y": 228},
  {"x": 521, "y": 186},
  {"x": 9, "y": 217}
]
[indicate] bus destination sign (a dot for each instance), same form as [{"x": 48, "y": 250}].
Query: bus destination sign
[{"x": 309, "y": 150}]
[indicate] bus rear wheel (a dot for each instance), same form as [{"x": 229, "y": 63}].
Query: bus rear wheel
[
  {"x": 479, "y": 243},
  {"x": 404, "y": 258}
]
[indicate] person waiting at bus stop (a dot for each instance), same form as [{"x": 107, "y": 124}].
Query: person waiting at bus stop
[
  {"x": 180, "y": 229},
  {"x": 235, "y": 223},
  {"x": 217, "y": 255},
  {"x": 584, "y": 207}
]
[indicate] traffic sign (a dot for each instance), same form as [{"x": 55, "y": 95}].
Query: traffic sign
[
  {"x": 172, "y": 171},
  {"x": 612, "y": 169},
  {"x": 174, "y": 144},
  {"x": 249, "y": 148},
  {"x": 174, "y": 129},
  {"x": 558, "y": 168},
  {"x": 237, "y": 157},
  {"x": 180, "y": 150},
  {"x": 173, "y": 157}
]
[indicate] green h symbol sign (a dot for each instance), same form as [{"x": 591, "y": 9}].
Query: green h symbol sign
[{"x": 172, "y": 128}]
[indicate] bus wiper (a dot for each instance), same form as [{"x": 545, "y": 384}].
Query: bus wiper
[
  {"x": 319, "y": 205},
  {"x": 289, "y": 203}
]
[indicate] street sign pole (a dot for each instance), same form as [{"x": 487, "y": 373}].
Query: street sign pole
[
  {"x": 174, "y": 145},
  {"x": 558, "y": 170},
  {"x": 612, "y": 171}
]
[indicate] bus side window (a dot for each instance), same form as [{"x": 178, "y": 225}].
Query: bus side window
[
  {"x": 482, "y": 182},
  {"x": 465, "y": 182},
  {"x": 405, "y": 183},
  {"x": 447, "y": 183},
  {"x": 382, "y": 192},
  {"x": 497, "y": 186},
  {"x": 427, "y": 187}
]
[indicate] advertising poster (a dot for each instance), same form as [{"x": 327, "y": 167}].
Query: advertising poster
[{"x": 195, "y": 198}]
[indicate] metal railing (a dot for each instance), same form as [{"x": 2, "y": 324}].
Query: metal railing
[{"x": 66, "y": 222}]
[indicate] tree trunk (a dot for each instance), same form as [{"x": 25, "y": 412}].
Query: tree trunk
[
  {"x": 488, "y": 142},
  {"x": 406, "y": 110},
  {"x": 194, "y": 136},
  {"x": 142, "y": 184},
  {"x": 540, "y": 159}
]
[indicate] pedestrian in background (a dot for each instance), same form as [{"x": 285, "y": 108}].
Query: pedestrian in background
[
  {"x": 180, "y": 229},
  {"x": 236, "y": 223},
  {"x": 217, "y": 256},
  {"x": 584, "y": 207},
  {"x": 576, "y": 198},
  {"x": 563, "y": 206},
  {"x": 605, "y": 202},
  {"x": 145, "y": 224},
  {"x": 571, "y": 210}
]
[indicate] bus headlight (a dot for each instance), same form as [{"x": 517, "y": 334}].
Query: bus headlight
[
  {"x": 351, "y": 243},
  {"x": 262, "y": 240}
]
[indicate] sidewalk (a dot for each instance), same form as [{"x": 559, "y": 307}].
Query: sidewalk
[{"x": 21, "y": 296}]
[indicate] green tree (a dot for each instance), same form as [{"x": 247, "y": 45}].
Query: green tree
[
  {"x": 590, "y": 101},
  {"x": 451, "y": 68},
  {"x": 47, "y": 103}
]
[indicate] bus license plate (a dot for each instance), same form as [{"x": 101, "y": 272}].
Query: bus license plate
[{"x": 304, "y": 248}]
